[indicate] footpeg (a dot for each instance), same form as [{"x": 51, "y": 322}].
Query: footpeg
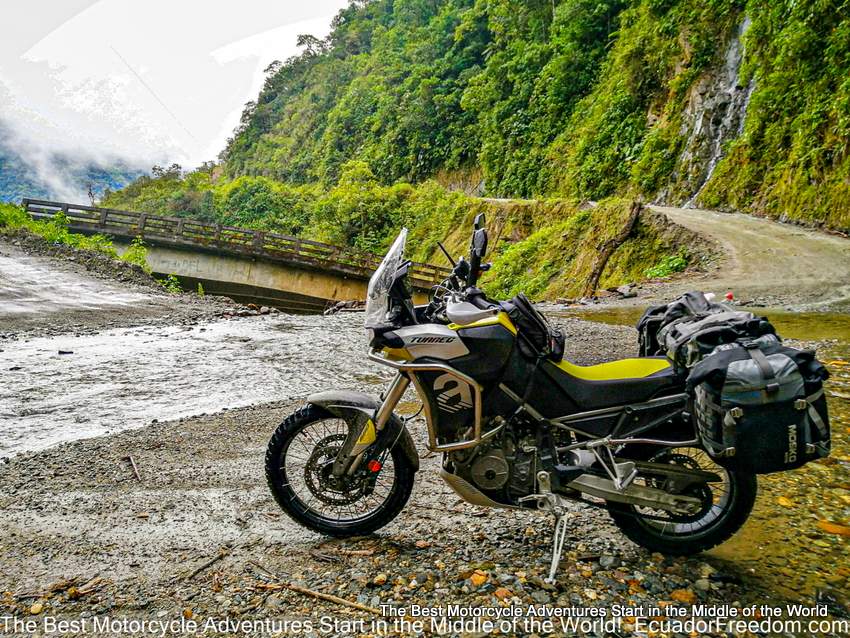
[{"x": 568, "y": 473}]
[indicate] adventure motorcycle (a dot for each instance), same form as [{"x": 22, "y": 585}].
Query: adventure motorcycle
[{"x": 518, "y": 426}]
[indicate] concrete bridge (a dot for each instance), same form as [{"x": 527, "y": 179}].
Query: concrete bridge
[{"x": 263, "y": 267}]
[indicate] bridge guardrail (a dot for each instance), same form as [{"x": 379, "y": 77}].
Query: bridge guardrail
[{"x": 180, "y": 231}]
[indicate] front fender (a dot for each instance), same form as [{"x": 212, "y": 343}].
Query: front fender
[{"x": 356, "y": 408}]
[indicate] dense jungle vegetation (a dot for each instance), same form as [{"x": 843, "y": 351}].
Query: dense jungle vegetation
[
  {"x": 547, "y": 99},
  {"x": 14, "y": 219}
]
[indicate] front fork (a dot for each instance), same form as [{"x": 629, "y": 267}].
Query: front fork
[{"x": 369, "y": 432}]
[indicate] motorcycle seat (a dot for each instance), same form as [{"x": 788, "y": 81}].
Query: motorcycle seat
[
  {"x": 614, "y": 383},
  {"x": 636, "y": 368}
]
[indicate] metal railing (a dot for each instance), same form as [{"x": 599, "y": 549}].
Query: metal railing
[{"x": 184, "y": 232}]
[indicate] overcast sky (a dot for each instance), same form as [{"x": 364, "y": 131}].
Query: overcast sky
[{"x": 152, "y": 81}]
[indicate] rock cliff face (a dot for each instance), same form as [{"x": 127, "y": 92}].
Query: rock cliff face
[{"x": 713, "y": 116}]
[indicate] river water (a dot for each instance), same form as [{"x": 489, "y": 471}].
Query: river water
[{"x": 126, "y": 378}]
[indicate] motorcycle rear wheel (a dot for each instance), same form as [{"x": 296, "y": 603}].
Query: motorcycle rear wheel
[
  {"x": 727, "y": 506},
  {"x": 296, "y": 463}
]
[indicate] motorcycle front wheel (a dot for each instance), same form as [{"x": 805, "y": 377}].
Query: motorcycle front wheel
[
  {"x": 298, "y": 461},
  {"x": 726, "y": 506}
]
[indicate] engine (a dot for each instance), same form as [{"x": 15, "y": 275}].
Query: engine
[
  {"x": 490, "y": 471},
  {"x": 503, "y": 468}
]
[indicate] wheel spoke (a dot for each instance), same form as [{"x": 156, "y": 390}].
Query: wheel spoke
[
  {"x": 306, "y": 464},
  {"x": 715, "y": 496}
]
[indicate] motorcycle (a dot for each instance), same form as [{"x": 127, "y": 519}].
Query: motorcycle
[{"x": 516, "y": 424}]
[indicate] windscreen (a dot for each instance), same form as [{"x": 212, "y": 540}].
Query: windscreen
[{"x": 378, "y": 293}]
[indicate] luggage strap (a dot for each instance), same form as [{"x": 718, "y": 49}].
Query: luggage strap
[
  {"x": 814, "y": 415},
  {"x": 728, "y": 420},
  {"x": 771, "y": 385}
]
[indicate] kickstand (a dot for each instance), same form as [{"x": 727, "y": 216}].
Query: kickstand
[
  {"x": 546, "y": 501},
  {"x": 557, "y": 545}
]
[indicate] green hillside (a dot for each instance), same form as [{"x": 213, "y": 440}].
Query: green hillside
[
  {"x": 725, "y": 103},
  {"x": 574, "y": 97}
]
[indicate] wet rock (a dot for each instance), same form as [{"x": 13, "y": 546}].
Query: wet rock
[
  {"x": 478, "y": 578},
  {"x": 345, "y": 306},
  {"x": 626, "y": 292},
  {"x": 725, "y": 578},
  {"x": 683, "y": 596}
]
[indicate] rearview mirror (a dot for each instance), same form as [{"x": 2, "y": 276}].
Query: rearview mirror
[
  {"x": 479, "y": 243},
  {"x": 477, "y": 250}
]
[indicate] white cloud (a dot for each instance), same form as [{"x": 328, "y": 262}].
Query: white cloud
[{"x": 157, "y": 81}]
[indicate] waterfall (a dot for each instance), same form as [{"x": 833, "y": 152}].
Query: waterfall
[{"x": 718, "y": 111}]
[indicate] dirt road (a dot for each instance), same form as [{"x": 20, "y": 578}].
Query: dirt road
[{"x": 769, "y": 262}]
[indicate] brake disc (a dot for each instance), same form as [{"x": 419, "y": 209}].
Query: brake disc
[{"x": 317, "y": 474}]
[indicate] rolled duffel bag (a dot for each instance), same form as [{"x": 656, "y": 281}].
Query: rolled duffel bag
[
  {"x": 691, "y": 305},
  {"x": 690, "y": 327},
  {"x": 760, "y": 406},
  {"x": 687, "y": 340}
]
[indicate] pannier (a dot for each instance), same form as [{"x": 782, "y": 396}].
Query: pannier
[
  {"x": 691, "y": 327},
  {"x": 760, "y": 406},
  {"x": 536, "y": 337}
]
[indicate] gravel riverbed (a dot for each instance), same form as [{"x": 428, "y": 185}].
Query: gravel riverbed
[
  {"x": 52, "y": 289},
  {"x": 197, "y": 537},
  {"x": 170, "y": 521}
]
